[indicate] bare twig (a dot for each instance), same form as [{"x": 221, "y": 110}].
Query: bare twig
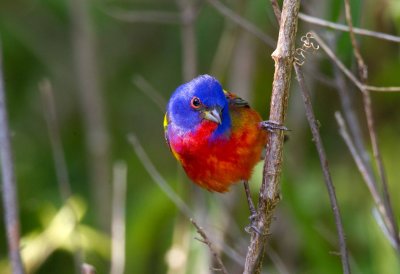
[
  {"x": 363, "y": 73},
  {"x": 325, "y": 168},
  {"x": 207, "y": 241},
  {"x": 158, "y": 179},
  {"x": 147, "y": 89},
  {"x": 382, "y": 89},
  {"x": 362, "y": 67},
  {"x": 237, "y": 19},
  {"x": 350, "y": 114},
  {"x": 118, "y": 218},
  {"x": 382, "y": 225},
  {"x": 277, "y": 10},
  {"x": 50, "y": 114},
  {"x": 336, "y": 26},
  {"x": 92, "y": 108},
  {"x": 171, "y": 194},
  {"x": 269, "y": 192},
  {"x": 9, "y": 191},
  {"x": 64, "y": 185},
  {"x": 347, "y": 72},
  {"x": 363, "y": 168}
]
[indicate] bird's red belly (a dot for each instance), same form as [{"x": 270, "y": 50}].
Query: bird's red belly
[{"x": 215, "y": 165}]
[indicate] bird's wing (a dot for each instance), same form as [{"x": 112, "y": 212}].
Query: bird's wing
[
  {"x": 166, "y": 122},
  {"x": 235, "y": 100}
]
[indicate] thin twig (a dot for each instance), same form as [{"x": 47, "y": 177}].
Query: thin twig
[
  {"x": 277, "y": 10},
  {"x": 147, "y": 89},
  {"x": 49, "y": 111},
  {"x": 325, "y": 168},
  {"x": 269, "y": 191},
  {"x": 64, "y": 185},
  {"x": 207, "y": 241},
  {"x": 158, "y": 179},
  {"x": 118, "y": 218},
  {"x": 351, "y": 116},
  {"x": 363, "y": 73},
  {"x": 382, "y": 89},
  {"x": 171, "y": 194},
  {"x": 248, "y": 26},
  {"x": 347, "y": 72},
  {"x": 336, "y": 26},
  {"x": 383, "y": 226},
  {"x": 9, "y": 191},
  {"x": 363, "y": 168},
  {"x": 362, "y": 67}
]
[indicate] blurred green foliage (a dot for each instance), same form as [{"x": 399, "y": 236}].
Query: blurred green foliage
[{"x": 37, "y": 43}]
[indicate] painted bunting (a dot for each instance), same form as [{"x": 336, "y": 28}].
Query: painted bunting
[{"x": 214, "y": 134}]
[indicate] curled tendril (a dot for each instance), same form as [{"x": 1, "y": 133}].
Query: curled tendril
[{"x": 308, "y": 45}]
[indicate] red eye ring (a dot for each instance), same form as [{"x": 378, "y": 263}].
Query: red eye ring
[{"x": 195, "y": 103}]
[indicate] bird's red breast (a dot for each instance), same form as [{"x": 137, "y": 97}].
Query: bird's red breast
[{"x": 217, "y": 163}]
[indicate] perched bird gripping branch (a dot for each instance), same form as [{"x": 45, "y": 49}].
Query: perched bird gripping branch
[{"x": 215, "y": 135}]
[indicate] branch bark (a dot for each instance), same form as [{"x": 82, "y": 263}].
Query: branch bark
[{"x": 269, "y": 192}]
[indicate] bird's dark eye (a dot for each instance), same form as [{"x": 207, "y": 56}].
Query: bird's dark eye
[{"x": 195, "y": 103}]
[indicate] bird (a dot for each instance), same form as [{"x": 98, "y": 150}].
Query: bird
[{"x": 215, "y": 135}]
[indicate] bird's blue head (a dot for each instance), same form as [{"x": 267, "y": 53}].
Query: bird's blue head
[{"x": 200, "y": 99}]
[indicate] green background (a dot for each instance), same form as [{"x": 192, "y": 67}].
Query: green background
[{"x": 38, "y": 43}]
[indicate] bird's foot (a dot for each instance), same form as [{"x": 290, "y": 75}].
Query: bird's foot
[
  {"x": 253, "y": 224},
  {"x": 272, "y": 126},
  {"x": 253, "y": 213}
]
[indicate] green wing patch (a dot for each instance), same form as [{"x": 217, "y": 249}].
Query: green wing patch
[{"x": 235, "y": 100}]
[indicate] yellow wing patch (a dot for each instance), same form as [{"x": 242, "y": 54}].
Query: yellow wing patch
[{"x": 165, "y": 124}]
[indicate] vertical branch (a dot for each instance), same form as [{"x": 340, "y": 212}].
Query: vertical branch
[
  {"x": 325, "y": 168},
  {"x": 55, "y": 140},
  {"x": 188, "y": 37},
  {"x": 9, "y": 191},
  {"x": 97, "y": 137},
  {"x": 269, "y": 192},
  {"x": 118, "y": 218},
  {"x": 363, "y": 73}
]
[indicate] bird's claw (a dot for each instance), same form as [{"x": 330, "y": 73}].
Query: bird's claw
[
  {"x": 272, "y": 126},
  {"x": 252, "y": 226}
]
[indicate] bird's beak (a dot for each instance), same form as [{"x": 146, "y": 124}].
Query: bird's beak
[{"x": 213, "y": 114}]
